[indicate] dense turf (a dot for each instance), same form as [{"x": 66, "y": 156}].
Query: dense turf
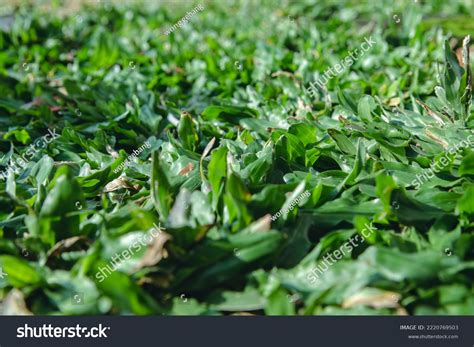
[{"x": 151, "y": 167}]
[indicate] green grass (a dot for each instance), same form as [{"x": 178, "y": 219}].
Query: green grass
[{"x": 227, "y": 136}]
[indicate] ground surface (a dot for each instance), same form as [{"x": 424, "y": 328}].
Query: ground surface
[{"x": 250, "y": 191}]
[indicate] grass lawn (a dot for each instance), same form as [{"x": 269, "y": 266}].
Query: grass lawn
[{"x": 233, "y": 157}]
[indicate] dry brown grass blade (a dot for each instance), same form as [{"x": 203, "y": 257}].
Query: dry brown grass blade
[
  {"x": 438, "y": 118},
  {"x": 377, "y": 299},
  {"x": 436, "y": 139},
  {"x": 14, "y": 304},
  {"x": 63, "y": 245},
  {"x": 155, "y": 251}
]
